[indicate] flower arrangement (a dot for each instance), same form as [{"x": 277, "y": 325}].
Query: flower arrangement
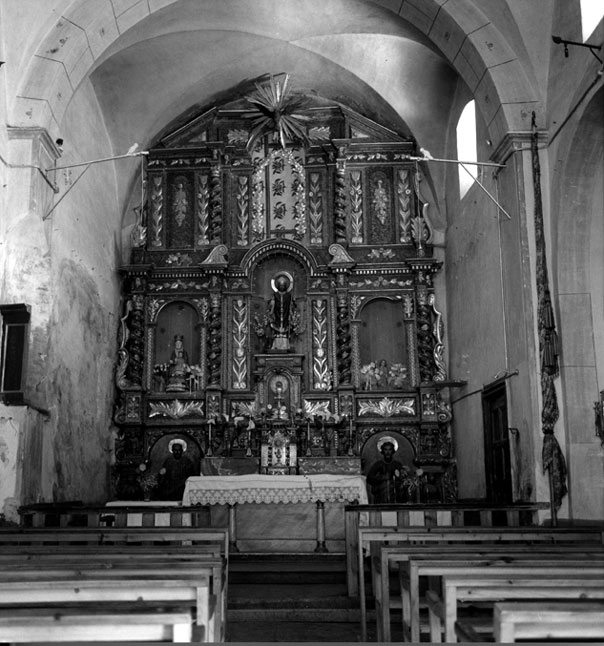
[
  {"x": 161, "y": 369},
  {"x": 397, "y": 375},
  {"x": 147, "y": 480},
  {"x": 371, "y": 375}
]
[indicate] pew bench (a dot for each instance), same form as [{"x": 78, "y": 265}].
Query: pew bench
[
  {"x": 71, "y": 624},
  {"x": 376, "y": 537},
  {"x": 71, "y": 564},
  {"x": 394, "y": 557},
  {"x": 442, "y": 608},
  {"x": 468, "y": 514},
  {"x": 536, "y": 564},
  {"x": 92, "y": 593},
  {"x": 118, "y": 535},
  {"x": 541, "y": 620}
]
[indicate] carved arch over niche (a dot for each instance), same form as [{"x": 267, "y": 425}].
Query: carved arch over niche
[{"x": 278, "y": 246}]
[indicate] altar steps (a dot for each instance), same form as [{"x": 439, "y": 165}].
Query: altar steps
[{"x": 290, "y": 598}]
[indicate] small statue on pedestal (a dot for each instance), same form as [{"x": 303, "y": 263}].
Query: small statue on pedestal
[{"x": 179, "y": 366}]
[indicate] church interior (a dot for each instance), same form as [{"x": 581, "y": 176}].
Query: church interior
[{"x": 295, "y": 269}]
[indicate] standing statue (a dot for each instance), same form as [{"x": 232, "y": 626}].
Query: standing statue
[
  {"x": 282, "y": 314},
  {"x": 179, "y": 366},
  {"x": 386, "y": 476},
  {"x": 175, "y": 470}
]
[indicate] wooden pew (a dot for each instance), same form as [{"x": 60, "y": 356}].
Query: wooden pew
[
  {"x": 91, "y": 592},
  {"x": 39, "y": 625},
  {"x": 542, "y": 620},
  {"x": 128, "y": 545},
  {"x": 468, "y": 514},
  {"x": 376, "y": 537},
  {"x": 484, "y": 586},
  {"x": 395, "y": 556},
  {"x": 117, "y": 535},
  {"x": 76, "y": 514},
  {"x": 531, "y": 563}
]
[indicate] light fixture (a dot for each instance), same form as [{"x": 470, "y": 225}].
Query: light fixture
[{"x": 566, "y": 43}]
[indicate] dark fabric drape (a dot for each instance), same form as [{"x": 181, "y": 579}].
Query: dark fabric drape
[{"x": 552, "y": 456}]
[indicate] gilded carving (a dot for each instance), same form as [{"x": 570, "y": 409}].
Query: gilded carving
[
  {"x": 313, "y": 408},
  {"x": 387, "y": 407},
  {"x": 321, "y": 372},
  {"x": 439, "y": 348},
  {"x": 242, "y": 199},
  {"x": 403, "y": 190},
  {"x": 356, "y": 207},
  {"x": 240, "y": 337},
  {"x": 175, "y": 409},
  {"x": 203, "y": 209},
  {"x": 218, "y": 256},
  {"x": 315, "y": 208}
]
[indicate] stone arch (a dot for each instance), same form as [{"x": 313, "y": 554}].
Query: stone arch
[{"x": 477, "y": 50}]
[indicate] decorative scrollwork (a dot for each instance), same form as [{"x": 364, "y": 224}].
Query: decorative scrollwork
[
  {"x": 439, "y": 348},
  {"x": 387, "y": 407},
  {"x": 313, "y": 408},
  {"x": 175, "y": 409}
]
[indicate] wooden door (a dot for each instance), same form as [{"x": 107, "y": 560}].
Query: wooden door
[{"x": 497, "y": 445}]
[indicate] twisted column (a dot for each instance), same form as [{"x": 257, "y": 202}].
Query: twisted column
[
  {"x": 215, "y": 341},
  {"x": 344, "y": 344}
]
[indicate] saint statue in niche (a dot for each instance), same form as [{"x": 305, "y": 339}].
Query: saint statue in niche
[
  {"x": 179, "y": 366},
  {"x": 283, "y": 317},
  {"x": 380, "y": 201}
]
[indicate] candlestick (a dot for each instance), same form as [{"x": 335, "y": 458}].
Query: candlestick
[
  {"x": 350, "y": 451},
  {"x": 308, "y": 438},
  {"x": 210, "y": 422}
]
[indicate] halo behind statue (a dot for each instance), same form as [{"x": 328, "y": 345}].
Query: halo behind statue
[
  {"x": 383, "y": 440},
  {"x": 282, "y": 274},
  {"x": 177, "y": 441}
]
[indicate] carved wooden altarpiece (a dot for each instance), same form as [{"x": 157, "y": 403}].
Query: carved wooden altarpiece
[{"x": 344, "y": 221}]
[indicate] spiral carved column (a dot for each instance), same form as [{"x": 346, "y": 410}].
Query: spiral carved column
[
  {"x": 425, "y": 339},
  {"x": 215, "y": 341},
  {"x": 340, "y": 203},
  {"x": 344, "y": 341},
  {"x": 216, "y": 206}
]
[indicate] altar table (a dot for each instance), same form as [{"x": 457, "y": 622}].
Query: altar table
[{"x": 282, "y": 489}]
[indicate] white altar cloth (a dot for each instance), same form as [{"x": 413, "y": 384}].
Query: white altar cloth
[{"x": 257, "y": 488}]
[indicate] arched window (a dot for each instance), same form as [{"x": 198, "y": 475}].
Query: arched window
[
  {"x": 591, "y": 14},
  {"x": 466, "y": 147}
]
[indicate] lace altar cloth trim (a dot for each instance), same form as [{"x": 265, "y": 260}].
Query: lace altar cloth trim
[{"x": 221, "y": 490}]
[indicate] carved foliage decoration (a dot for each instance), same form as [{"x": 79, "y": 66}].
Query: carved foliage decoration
[
  {"x": 242, "y": 200},
  {"x": 356, "y": 207},
  {"x": 175, "y": 409},
  {"x": 387, "y": 407},
  {"x": 321, "y": 372},
  {"x": 240, "y": 343},
  {"x": 425, "y": 339},
  {"x": 403, "y": 191},
  {"x": 312, "y": 408},
  {"x": 315, "y": 208},
  {"x": 202, "y": 197},
  {"x": 157, "y": 209}
]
